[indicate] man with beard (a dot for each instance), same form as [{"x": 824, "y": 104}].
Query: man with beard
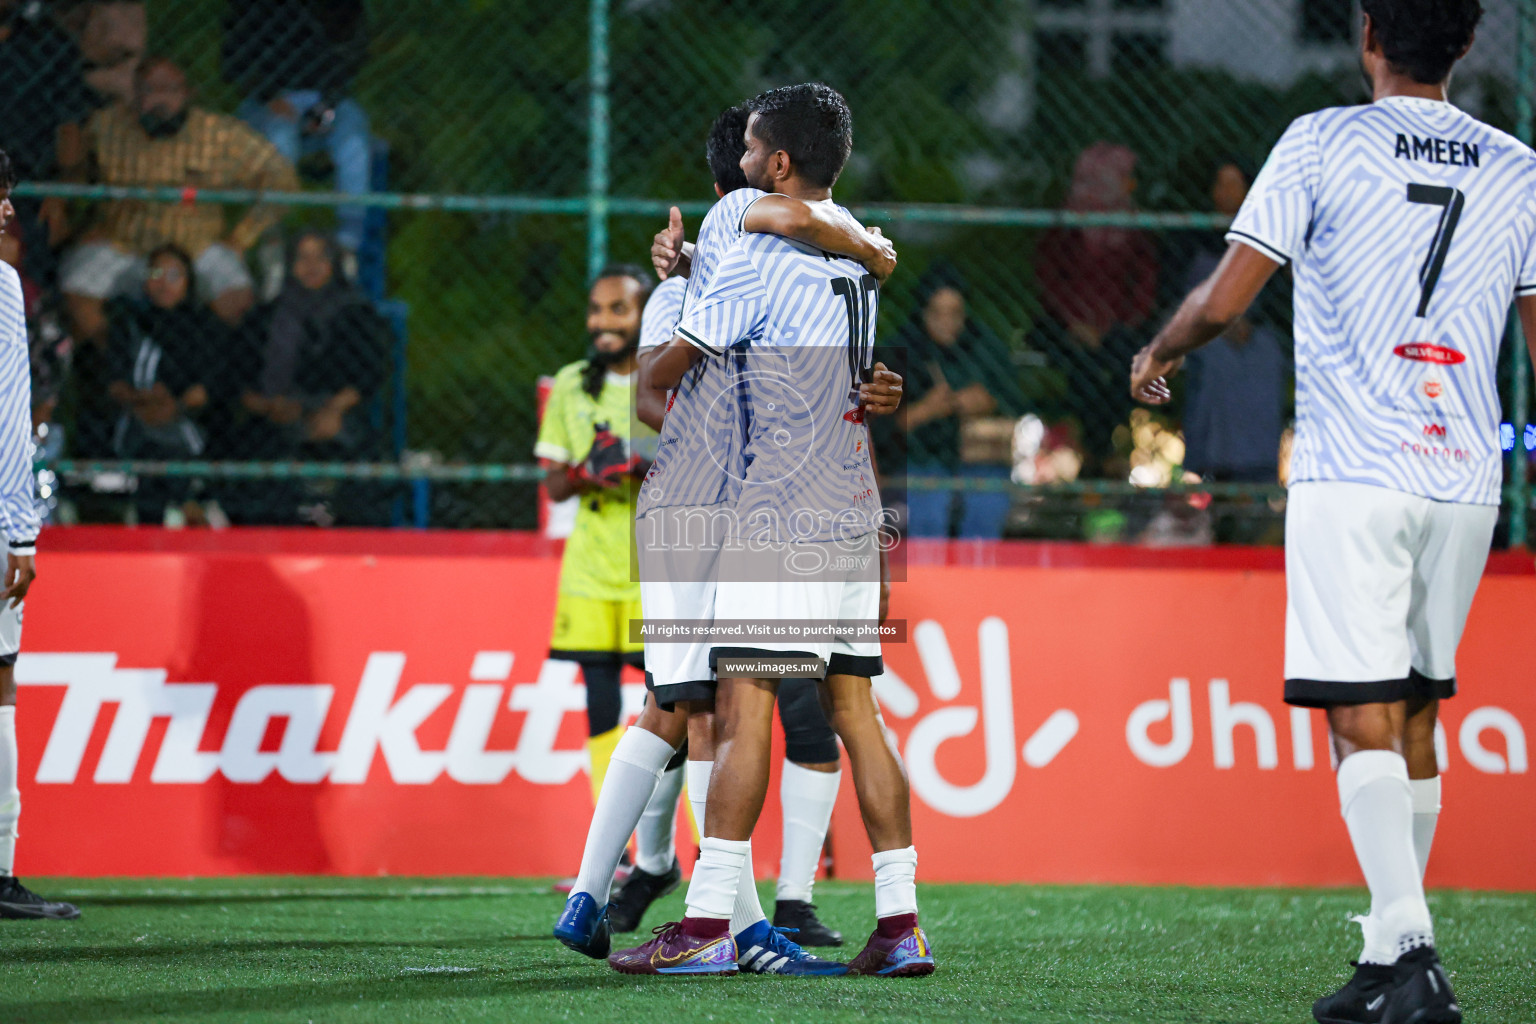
[
  {"x": 584, "y": 447},
  {"x": 162, "y": 139}
]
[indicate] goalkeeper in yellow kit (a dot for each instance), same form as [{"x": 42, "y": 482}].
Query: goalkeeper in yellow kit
[{"x": 589, "y": 445}]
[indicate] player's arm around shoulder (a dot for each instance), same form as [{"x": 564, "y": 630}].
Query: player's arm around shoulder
[{"x": 824, "y": 226}]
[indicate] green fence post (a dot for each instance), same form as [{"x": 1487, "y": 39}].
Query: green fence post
[
  {"x": 597, "y": 142},
  {"x": 1520, "y": 397}
]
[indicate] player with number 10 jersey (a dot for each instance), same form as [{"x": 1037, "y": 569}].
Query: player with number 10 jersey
[{"x": 799, "y": 324}]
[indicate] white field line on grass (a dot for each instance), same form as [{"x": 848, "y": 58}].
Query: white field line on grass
[{"x": 301, "y": 893}]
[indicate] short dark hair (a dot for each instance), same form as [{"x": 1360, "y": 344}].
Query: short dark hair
[
  {"x": 812, "y": 123},
  {"x": 1423, "y": 39},
  {"x": 7, "y": 171},
  {"x": 645, "y": 278},
  {"x": 727, "y": 141}
]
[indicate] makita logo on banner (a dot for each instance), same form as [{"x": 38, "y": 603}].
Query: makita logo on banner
[{"x": 383, "y": 720}]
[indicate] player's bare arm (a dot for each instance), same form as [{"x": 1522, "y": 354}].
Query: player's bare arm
[
  {"x": 650, "y": 402},
  {"x": 1526, "y": 306},
  {"x": 665, "y": 369},
  {"x": 1202, "y": 318},
  {"x": 821, "y": 225},
  {"x": 20, "y": 572}
]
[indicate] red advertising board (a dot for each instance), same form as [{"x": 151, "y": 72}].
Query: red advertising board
[{"x": 272, "y": 701}]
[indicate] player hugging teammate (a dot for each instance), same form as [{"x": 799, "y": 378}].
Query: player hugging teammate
[
  {"x": 790, "y": 330},
  {"x": 713, "y": 431}
]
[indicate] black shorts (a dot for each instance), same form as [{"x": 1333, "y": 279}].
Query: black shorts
[{"x": 667, "y": 697}]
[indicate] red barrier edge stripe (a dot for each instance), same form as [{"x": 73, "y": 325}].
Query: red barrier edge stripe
[{"x": 981, "y": 554}]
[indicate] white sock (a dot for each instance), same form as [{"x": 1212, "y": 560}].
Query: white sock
[
  {"x": 746, "y": 908},
  {"x": 638, "y": 761},
  {"x": 808, "y": 798},
  {"x": 896, "y": 882},
  {"x": 1426, "y": 812},
  {"x": 698, "y": 789},
  {"x": 656, "y": 835},
  {"x": 712, "y": 891},
  {"x": 1377, "y": 803},
  {"x": 10, "y": 796}
]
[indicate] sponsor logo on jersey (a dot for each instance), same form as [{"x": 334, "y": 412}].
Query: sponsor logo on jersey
[
  {"x": 1434, "y": 451},
  {"x": 1425, "y": 352},
  {"x": 1434, "y": 430},
  {"x": 1433, "y": 389}
]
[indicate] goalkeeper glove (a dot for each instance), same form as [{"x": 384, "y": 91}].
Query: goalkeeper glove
[{"x": 609, "y": 461}]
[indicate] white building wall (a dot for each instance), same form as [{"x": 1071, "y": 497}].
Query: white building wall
[{"x": 1261, "y": 40}]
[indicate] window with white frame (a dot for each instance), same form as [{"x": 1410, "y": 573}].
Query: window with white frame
[{"x": 1102, "y": 36}]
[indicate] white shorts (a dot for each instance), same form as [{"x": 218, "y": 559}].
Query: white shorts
[
  {"x": 1378, "y": 587},
  {"x": 10, "y": 632},
  {"x": 676, "y": 582},
  {"x": 845, "y": 590},
  {"x": 100, "y": 270}
]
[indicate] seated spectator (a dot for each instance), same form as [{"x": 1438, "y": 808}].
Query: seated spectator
[
  {"x": 162, "y": 140},
  {"x": 164, "y": 351},
  {"x": 322, "y": 349},
  {"x": 958, "y": 374},
  {"x": 1236, "y": 386},
  {"x": 1098, "y": 287},
  {"x": 295, "y": 61}
]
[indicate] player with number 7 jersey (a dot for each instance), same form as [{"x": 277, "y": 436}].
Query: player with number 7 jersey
[
  {"x": 1411, "y": 228},
  {"x": 1410, "y": 225}
]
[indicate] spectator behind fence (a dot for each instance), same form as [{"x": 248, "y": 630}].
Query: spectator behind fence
[
  {"x": 958, "y": 373},
  {"x": 164, "y": 352},
  {"x": 1098, "y": 286},
  {"x": 295, "y": 61},
  {"x": 162, "y": 140},
  {"x": 1236, "y": 386},
  {"x": 113, "y": 36},
  {"x": 46, "y": 102},
  {"x": 321, "y": 347}
]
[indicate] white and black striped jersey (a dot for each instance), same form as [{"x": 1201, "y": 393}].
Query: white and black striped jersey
[
  {"x": 658, "y": 321},
  {"x": 1411, "y": 226},
  {"x": 798, "y": 327},
  {"x": 18, "y": 484},
  {"x": 699, "y": 455}
]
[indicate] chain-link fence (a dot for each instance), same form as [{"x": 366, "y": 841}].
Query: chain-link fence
[{"x": 1056, "y": 174}]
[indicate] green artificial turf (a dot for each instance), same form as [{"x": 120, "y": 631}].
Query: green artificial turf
[{"x": 382, "y": 950}]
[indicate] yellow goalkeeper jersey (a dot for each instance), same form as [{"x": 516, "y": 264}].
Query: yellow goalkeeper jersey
[{"x": 597, "y": 554}]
